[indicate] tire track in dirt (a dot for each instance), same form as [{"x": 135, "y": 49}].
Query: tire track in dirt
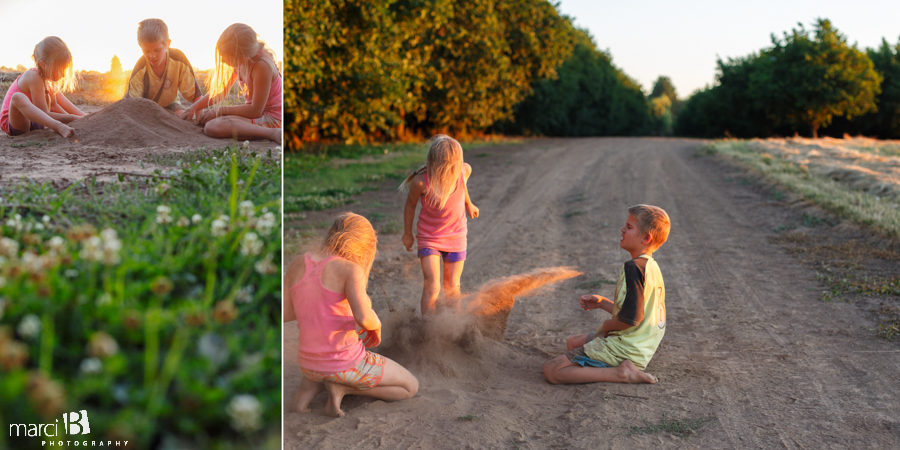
[{"x": 749, "y": 342}]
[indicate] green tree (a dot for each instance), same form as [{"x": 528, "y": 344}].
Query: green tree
[
  {"x": 885, "y": 122},
  {"x": 115, "y": 66},
  {"x": 810, "y": 77}
]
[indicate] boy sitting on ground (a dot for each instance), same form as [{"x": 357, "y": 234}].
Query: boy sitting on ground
[
  {"x": 623, "y": 346},
  {"x": 162, "y": 72}
]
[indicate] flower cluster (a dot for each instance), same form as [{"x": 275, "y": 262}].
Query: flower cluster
[{"x": 104, "y": 248}]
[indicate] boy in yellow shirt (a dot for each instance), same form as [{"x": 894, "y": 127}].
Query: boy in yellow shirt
[
  {"x": 162, "y": 72},
  {"x": 623, "y": 346}
]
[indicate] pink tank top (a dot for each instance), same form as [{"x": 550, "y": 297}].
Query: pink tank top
[
  {"x": 4, "y": 113},
  {"x": 273, "y": 103},
  {"x": 443, "y": 229},
  {"x": 328, "y": 339}
]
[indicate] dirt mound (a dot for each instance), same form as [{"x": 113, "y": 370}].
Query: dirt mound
[
  {"x": 453, "y": 343},
  {"x": 135, "y": 123}
]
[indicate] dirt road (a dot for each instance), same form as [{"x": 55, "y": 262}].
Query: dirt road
[{"x": 749, "y": 343}]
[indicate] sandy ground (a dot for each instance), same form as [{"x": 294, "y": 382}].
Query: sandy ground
[
  {"x": 116, "y": 138},
  {"x": 748, "y": 342}
]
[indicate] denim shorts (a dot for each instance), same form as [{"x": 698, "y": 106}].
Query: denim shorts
[
  {"x": 578, "y": 356},
  {"x": 450, "y": 257}
]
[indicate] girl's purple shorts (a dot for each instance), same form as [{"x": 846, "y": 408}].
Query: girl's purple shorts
[{"x": 451, "y": 257}]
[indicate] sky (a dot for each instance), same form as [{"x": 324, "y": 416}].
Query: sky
[
  {"x": 95, "y": 30},
  {"x": 682, "y": 39}
]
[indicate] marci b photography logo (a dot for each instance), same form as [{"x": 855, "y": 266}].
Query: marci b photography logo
[{"x": 73, "y": 424}]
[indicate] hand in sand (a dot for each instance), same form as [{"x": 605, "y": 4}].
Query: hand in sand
[
  {"x": 591, "y": 301},
  {"x": 371, "y": 338},
  {"x": 206, "y": 116},
  {"x": 408, "y": 241}
]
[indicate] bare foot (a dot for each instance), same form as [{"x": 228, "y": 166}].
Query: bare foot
[
  {"x": 275, "y": 135},
  {"x": 65, "y": 130},
  {"x": 305, "y": 394},
  {"x": 633, "y": 375},
  {"x": 336, "y": 393}
]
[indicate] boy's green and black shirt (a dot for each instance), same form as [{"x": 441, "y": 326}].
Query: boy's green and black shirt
[
  {"x": 640, "y": 301},
  {"x": 178, "y": 76}
]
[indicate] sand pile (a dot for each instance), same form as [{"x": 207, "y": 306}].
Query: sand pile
[
  {"x": 462, "y": 343},
  {"x": 135, "y": 123}
]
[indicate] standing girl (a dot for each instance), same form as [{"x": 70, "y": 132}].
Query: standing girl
[
  {"x": 325, "y": 292},
  {"x": 242, "y": 57},
  {"x": 441, "y": 231},
  {"x": 35, "y": 100}
]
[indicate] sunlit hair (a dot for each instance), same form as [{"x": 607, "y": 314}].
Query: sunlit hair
[
  {"x": 352, "y": 237},
  {"x": 151, "y": 31},
  {"x": 653, "y": 220},
  {"x": 237, "y": 48},
  {"x": 54, "y": 54},
  {"x": 444, "y": 166}
]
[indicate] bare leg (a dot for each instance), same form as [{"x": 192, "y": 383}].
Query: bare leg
[
  {"x": 239, "y": 128},
  {"x": 560, "y": 370},
  {"x": 22, "y": 112},
  {"x": 431, "y": 289},
  {"x": 576, "y": 341},
  {"x": 305, "y": 393},
  {"x": 452, "y": 273},
  {"x": 397, "y": 383}
]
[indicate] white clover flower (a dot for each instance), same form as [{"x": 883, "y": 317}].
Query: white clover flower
[
  {"x": 196, "y": 218},
  {"x": 32, "y": 262},
  {"x": 251, "y": 245},
  {"x": 91, "y": 366},
  {"x": 245, "y": 295},
  {"x": 90, "y": 249},
  {"x": 45, "y": 219},
  {"x": 246, "y": 209},
  {"x": 265, "y": 223},
  {"x": 162, "y": 188},
  {"x": 111, "y": 247},
  {"x": 30, "y": 326},
  {"x": 224, "y": 218},
  {"x": 9, "y": 247},
  {"x": 56, "y": 243},
  {"x": 278, "y": 149},
  {"x": 246, "y": 145},
  {"x": 246, "y": 413},
  {"x": 71, "y": 273},
  {"x": 162, "y": 214},
  {"x": 39, "y": 226},
  {"x": 102, "y": 345},
  {"x": 103, "y": 299},
  {"x": 265, "y": 266},
  {"x": 218, "y": 228},
  {"x": 183, "y": 221},
  {"x": 240, "y": 182}
]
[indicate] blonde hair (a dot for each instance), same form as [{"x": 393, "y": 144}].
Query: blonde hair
[
  {"x": 55, "y": 54},
  {"x": 151, "y": 31},
  {"x": 653, "y": 220},
  {"x": 238, "y": 44},
  {"x": 352, "y": 237},
  {"x": 444, "y": 165}
]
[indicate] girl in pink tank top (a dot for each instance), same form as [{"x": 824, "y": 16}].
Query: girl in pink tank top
[
  {"x": 326, "y": 295},
  {"x": 35, "y": 99},
  {"x": 241, "y": 57},
  {"x": 440, "y": 185}
]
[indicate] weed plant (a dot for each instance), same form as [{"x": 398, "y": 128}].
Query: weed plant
[
  {"x": 676, "y": 427},
  {"x": 152, "y": 303}
]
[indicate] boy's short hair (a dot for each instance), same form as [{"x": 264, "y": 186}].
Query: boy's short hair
[
  {"x": 152, "y": 30},
  {"x": 653, "y": 220}
]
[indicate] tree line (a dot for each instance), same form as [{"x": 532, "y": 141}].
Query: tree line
[
  {"x": 808, "y": 82},
  {"x": 390, "y": 69}
]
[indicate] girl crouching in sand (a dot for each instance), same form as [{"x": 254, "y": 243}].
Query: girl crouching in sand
[
  {"x": 242, "y": 57},
  {"x": 35, "y": 100},
  {"x": 441, "y": 186},
  {"x": 325, "y": 292}
]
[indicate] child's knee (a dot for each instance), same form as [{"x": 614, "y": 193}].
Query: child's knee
[
  {"x": 550, "y": 372},
  {"x": 18, "y": 99},
  {"x": 413, "y": 387},
  {"x": 216, "y": 128}
]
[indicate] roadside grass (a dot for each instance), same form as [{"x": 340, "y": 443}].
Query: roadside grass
[
  {"x": 151, "y": 302},
  {"x": 328, "y": 176},
  {"x": 881, "y": 214},
  {"x": 676, "y": 427}
]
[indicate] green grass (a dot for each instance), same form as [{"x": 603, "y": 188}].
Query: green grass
[
  {"x": 676, "y": 427},
  {"x": 141, "y": 303},
  {"x": 38, "y": 144},
  {"x": 881, "y": 214},
  {"x": 469, "y": 418}
]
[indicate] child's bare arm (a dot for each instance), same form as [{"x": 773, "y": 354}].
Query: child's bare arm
[
  {"x": 591, "y": 301},
  {"x": 67, "y": 105},
  {"x": 471, "y": 209},
  {"x": 35, "y": 87},
  {"x": 296, "y": 267},
  {"x": 360, "y": 303},
  {"x": 416, "y": 189},
  {"x": 614, "y": 324}
]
